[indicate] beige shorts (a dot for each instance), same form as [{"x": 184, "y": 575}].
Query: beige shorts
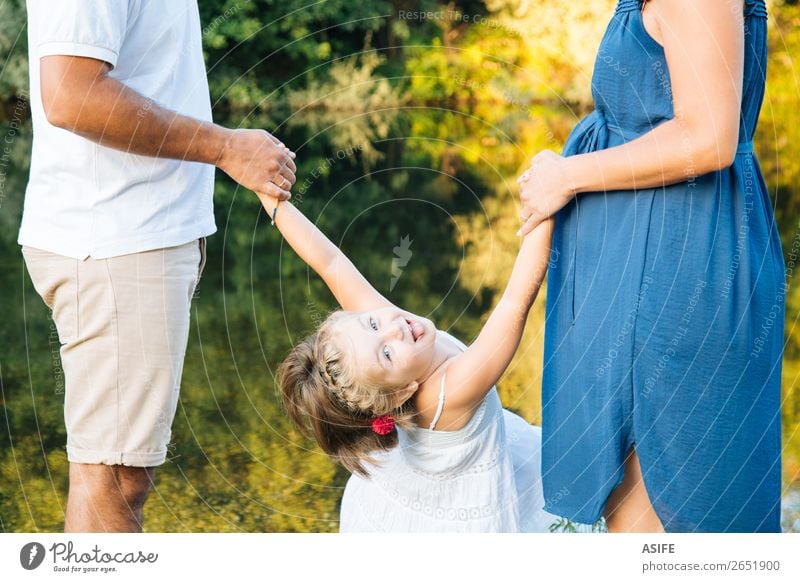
[{"x": 123, "y": 325}]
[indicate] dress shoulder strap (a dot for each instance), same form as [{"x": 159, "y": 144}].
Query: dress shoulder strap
[{"x": 440, "y": 407}]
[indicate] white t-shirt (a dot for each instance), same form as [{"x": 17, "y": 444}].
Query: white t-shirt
[{"x": 84, "y": 199}]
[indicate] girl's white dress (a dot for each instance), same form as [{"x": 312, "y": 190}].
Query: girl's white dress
[{"x": 484, "y": 477}]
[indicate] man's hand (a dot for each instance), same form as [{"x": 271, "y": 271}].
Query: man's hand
[{"x": 259, "y": 161}]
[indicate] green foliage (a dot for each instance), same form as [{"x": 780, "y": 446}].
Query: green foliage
[
  {"x": 564, "y": 525},
  {"x": 404, "y": 128},
  {"x": 13, "y": 50}
]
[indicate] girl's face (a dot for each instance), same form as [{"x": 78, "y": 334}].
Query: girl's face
[{"x": 391, "y": 346}]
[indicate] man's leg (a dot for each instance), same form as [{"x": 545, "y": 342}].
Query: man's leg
[
  {"x": 123, "y": 324},
  {"x": 107, "y": 498}
]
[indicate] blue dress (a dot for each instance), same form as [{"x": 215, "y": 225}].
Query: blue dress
[{"x": 665, "y": 311}]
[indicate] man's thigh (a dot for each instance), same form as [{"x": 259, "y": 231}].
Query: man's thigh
[{"x": 123, "y": 324}]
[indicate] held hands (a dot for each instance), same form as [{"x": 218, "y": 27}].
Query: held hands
[
  {"x": 259, "y": 161},
  {"x": 545, "y": 188}
]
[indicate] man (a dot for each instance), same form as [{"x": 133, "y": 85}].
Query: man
[{"x": 116, "y": 210}]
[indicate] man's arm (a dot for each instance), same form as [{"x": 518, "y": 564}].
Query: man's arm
[{"x": 79, "y": 96}]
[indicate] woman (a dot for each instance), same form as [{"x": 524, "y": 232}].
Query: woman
[{"x": 661, "y": 394}]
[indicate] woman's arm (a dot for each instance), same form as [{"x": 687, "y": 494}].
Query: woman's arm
[
  {"x": 348, "y": 285},
  {"x": 704, "y": 47},
  {"x": 472, "y": 374}
]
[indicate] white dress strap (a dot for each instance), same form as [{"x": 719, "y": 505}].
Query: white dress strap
[{"x": 440, "y": 407}]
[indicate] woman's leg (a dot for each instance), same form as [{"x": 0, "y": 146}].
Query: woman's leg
[{"x": 629, "y": 508}]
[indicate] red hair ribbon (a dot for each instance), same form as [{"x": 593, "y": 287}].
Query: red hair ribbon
[{"x": 383, "y": 425}]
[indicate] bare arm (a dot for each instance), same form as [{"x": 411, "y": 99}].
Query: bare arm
[
  {"x": 472, "y": 374},
  {"x": 79, "y": 96},
  {"x": 350, "y": 288},
  {"x": 704, "y": 47}
]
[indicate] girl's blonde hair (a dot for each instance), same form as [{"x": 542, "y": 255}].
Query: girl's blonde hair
[{"x": 330, "y": 402}]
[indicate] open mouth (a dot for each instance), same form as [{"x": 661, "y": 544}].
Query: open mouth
[{"x": 417, "y": 330}]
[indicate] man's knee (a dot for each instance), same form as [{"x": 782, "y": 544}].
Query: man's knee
[
  {"x": 112, "y": 482},
  {"x": 135, "y": 483}
]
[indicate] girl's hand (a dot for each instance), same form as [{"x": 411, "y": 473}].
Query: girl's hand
[{"x": 545, "y": 188}]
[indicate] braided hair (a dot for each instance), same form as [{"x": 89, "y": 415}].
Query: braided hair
[{"x": 328, "y": 401}]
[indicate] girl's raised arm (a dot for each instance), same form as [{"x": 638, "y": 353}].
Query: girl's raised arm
[
  {"x": 473, "y": 373},
  {"x": 348, "y": 285}
]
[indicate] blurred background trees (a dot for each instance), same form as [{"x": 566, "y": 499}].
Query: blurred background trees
[{"x": 406, "y": 128}]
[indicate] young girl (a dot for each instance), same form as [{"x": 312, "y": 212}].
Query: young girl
[{"x": 411, "y": 411}]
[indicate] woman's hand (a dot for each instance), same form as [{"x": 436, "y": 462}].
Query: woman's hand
[{"x": 545, "y": 188}]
